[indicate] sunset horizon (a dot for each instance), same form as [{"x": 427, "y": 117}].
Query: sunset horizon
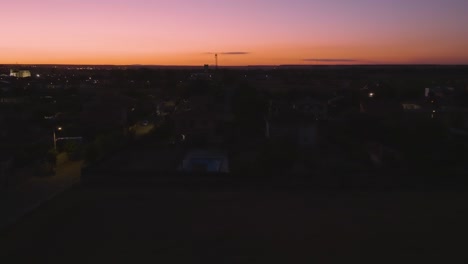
[
  {"x": 183, "y": 33},
  {"x": 13, "y": 65}
]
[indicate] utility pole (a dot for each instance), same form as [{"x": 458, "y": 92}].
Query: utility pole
[{"x": 55, "y": 138}]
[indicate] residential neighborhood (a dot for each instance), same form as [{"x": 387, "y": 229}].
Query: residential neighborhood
[{"x": 99, "y": 111}]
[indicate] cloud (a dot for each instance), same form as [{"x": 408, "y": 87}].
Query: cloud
[
  {"x": 229, "y": 53},
  {"x": 235, "y": 53},
  {"x": 331, "y": 60}
]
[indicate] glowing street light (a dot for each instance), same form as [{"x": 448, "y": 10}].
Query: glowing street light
[{"x": 55, "y": 137}]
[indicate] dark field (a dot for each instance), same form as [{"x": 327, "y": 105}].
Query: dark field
[{"x": 134, "y": 225}]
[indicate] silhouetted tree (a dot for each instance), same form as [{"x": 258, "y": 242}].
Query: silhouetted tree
[{"x": 249, "y": 108}]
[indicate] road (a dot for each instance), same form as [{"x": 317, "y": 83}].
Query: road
[
  {"x": 141, "y": 130},
  {"x": 29, "y": 194},
  {"x": 33, "y": 191}
]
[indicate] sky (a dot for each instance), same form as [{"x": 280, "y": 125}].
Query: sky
[{"x": 242, "y": 32}]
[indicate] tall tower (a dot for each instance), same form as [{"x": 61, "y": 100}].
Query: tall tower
[{"x": 216, "y": 60}]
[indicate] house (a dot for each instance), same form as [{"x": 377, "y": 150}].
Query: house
[
  {"x": 106, "y": 112},
  {"x": 8, "y": 97},
  {"x": 5, "y": 86},
  {"x": 205, "y": 161},
  {"x": 13, "y": 100},
  {"x": 301, "y": 131},
  {"x": 197, "y": 120},
  {"x": 305, "y": 106},
  {"x": 54, "y": 86},
  {"x": 418, "y": 107},
  {"x": 20, "y": 73},
  {"x": 193, "y": 125},
  {"x": 312, "y": 107},
  {"x": 205, "y": 76},
  {"x": 296, "y": 121},
  {"x": 381, "y": 154},
  {"x": 380, "y": 108},
  {"x": 449, "y": 105},
  {"x": 438, "y": 91},
  {"x": 454, "y": 116},
  {"x": 164, "y": 108},
  {"x": 6, "y": 161}
]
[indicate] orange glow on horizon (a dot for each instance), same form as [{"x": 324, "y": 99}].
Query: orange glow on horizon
[
  {"x": 269, "y": 56},
  {"x": 243, "y": 32}
]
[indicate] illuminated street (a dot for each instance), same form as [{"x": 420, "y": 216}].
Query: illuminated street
[{"x": 141, "y": 130}]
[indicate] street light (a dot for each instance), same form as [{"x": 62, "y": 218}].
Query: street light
[{"x": 55, "y": 137}]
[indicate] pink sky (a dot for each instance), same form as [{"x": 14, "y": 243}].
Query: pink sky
[{"x": 184, "y": 32}]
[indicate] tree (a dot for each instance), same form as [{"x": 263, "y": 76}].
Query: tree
[
  {"x": 92, "y": 152},
  {"x": 278, "y": 156},
  {"x": 457, "y": 120},
  {"x": 73, "y": 149},
  {"x": 249, "y": 109}
]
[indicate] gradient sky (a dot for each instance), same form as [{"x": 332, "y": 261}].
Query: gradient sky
[{"x": 187, "y": 32}]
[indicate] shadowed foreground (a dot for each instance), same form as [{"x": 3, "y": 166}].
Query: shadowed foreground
[{"x": 130, "y": 225}]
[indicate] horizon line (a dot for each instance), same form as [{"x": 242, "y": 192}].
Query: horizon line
[{"x": 225, "y": 66}]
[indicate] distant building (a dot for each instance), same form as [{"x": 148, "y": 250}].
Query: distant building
[
  {"x": 206, "y": 76},
  {"x": 415, "y": 107},
  {"x": 12, "y": 100},
  {"x": 20, "y": 73}
]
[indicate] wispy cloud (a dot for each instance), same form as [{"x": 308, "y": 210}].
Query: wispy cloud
[
  {"x": 229, "y": 53},
  {"x": 331, "y": 60},
  {"x": 235, "y": 53}
]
